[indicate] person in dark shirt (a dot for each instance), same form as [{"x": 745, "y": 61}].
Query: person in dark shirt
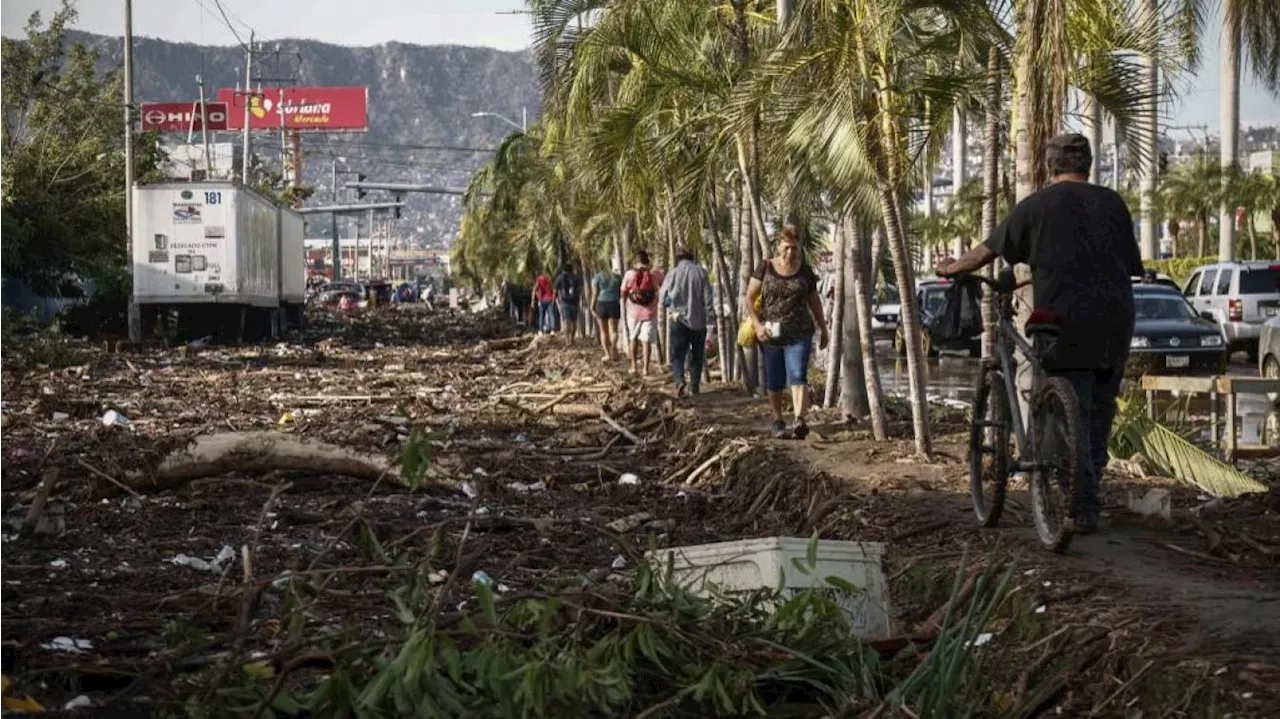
[
  {"x": 568, "y": 288},
  {"x": 1078, "y": 240}
]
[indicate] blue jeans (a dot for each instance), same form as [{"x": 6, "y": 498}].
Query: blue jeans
[
  {"x": 548, "y": 317},
  {"x": 1096, "y": 390},
  {"x": 786, "y": 365},
  {"x": 691, "y": 344}
]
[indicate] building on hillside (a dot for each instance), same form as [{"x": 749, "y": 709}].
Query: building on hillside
[{"x": 376, "y": 260}]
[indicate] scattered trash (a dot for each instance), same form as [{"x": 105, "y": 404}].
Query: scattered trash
[
  {"x": 619, "y": 562},
  {"x": 114, "y": 419},
  {"x": 481, "y": 577},
  {"x": 522, "y": 438},
  {"x": 80, "y": 702},
  {"x": 438, "y": 577},
  {"x": 1041, "y": 609},
  {"x": 523, "y": 488},
  {"x": 980, "y": 640},
  {"x": 468, "y": 490},
  {"x": 60, "y": 416},
  {"x": 200, "y": 342},
  {"x": 1155, "y": 502},
  {"x": 285, "y": 419},
  {"x": 629, "y": 522},
  {"x": 661, "y": 525},
  {"x": 480, "y": 472},
  {"x": 58, "y": 564},
  {"x": 69, "y": 645},
  {"x": 628, "y": 478},
  {"x": 200, "y": 565}
]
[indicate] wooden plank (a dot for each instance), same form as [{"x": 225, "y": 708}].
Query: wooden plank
[
  {"x": 1231, "y": 428},
  {"x": 1161, "y": 383},
  {"x": 1248, "y": 385},
  {"x": 1256, "y": 451},
  {"x": 1214, "y": 401}
]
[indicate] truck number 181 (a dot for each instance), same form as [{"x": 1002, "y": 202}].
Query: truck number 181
[{"x": 213, "y": 198}]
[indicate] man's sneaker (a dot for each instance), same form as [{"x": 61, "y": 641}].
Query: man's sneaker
[
  {"x": 694, "y": 389},
  {"x": 800, "y": 429},
  {"x": 779, "y": 429}
]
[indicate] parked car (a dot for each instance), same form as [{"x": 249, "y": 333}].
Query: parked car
[
  {"x": 1269, "y": 349},
  {"x": 931, "y": 300},
  {"x": 1170, "y": 337},
  {"x": 1240, "y": 296},
  {"x": 885, "y": 313}
]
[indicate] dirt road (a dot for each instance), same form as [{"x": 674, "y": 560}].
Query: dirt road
[{"x": 1179, "y": 619}]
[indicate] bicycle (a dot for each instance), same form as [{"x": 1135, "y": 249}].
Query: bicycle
[{"x": 1050, "y": 450}]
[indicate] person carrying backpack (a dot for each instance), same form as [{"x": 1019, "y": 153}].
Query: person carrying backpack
[
  {"x": 640, "y": 295},
  {"x": 568, "y": 288}
]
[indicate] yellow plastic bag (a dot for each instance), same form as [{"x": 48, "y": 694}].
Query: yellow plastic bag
[{"x": 746, "y": 331}]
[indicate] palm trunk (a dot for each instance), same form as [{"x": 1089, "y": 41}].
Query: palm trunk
[
  {"x": 1202, "y": 228},
  {"x": 877, "y": 260},
  {"x": 990, "y": 190},
  {"x": 835, "y": 351},
  {"x": 910, "y": 318},
  {"x": 746, "y": 266},
  {"x": 723, "y": 295},
  {"x": 859, "y": 244},
  {"x": 753, "y": 202},
  {"x": 1093, "y": 126},
  {"x": 1253, "y": 238},
  {"x": 854, "y": 401},
  {"x": 1174, "y": 231},
  {"x": 1149, "y": 130},
  {"x": 1229, "y": 121},
  {"x": 1275, "y": 232},
  {"x": 959, "y": 138}
]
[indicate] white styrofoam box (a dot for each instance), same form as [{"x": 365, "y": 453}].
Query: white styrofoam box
[{"x": 767, "y": 563}]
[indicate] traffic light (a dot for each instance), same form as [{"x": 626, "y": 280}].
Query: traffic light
[
  {"x": 398, "y": 198},
  {"x": 360, "y": 192}
]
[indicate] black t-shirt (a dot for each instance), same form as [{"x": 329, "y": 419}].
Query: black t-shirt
[
  {"x": 1078, "y": 239},
  {"x": 785, "y": 300},
  {"x": 569, "y": 287}
]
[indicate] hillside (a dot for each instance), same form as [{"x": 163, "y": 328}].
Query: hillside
[{"x": 418, "y": 95}]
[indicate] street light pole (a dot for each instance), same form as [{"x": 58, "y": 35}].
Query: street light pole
[
  {"x": 521, "y": 126},
  {"x": 134, "y": 314}
]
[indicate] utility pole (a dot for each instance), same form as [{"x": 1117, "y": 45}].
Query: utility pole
[
  {"x": 135, "y": 315},
  {"x": 333, "y": 225},
  {"x": 248, "y": 98},
  {"x": 204, "y": 128}
]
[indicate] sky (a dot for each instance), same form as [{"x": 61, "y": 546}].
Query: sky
[{"x": 467, "y": 22}]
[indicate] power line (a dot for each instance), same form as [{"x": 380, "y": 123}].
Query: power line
[{"x": 223, "y": 12}]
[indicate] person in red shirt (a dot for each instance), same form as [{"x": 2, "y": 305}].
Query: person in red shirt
[
  {"x": 545, "y": 297},
  {"x": 640, "y": 297}
]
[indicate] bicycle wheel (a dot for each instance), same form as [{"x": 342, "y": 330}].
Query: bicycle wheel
[
  {"x": 1057, "y": 462},
  {"x": 989, "y": 446}
]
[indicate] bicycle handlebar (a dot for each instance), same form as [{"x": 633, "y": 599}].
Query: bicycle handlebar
[{"x": 1004, "y": 282}]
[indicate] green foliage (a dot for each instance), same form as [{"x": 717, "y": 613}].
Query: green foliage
[
  {"x": 63, "y": 171},
  {"x": 419, "y": 453},
  {"x": 655, "y": 651},
  {"x": 1179, "y": 269},
  {"x": 28, "y": 345}
]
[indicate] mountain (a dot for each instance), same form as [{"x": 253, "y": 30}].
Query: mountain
[{"x": 418, "y": 95}]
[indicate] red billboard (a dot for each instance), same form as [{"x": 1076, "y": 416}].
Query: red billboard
[
  {"x": 303, "y": 108},
  {"x": 179, "y": 116}
]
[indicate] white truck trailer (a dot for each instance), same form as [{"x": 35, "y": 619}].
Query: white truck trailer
[{"x": 220, "y": 256}]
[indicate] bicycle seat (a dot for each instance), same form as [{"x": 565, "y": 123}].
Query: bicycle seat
[{"x": 1043, "y": 323}]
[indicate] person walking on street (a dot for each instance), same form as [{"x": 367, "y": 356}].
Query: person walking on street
[
  {"x": 606, "y": 304},
  {"x": 568, "y": 288},
  {"x": 790, "y": 312},
  {"x": 640, "y": 295},
  {"x": 687, "y": 295},
  {"x": 544, "y": 298},
  {"x": 1078, "y": 239}
]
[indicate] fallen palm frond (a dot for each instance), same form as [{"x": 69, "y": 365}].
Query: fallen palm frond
[{"x": 1171, "y": 455}]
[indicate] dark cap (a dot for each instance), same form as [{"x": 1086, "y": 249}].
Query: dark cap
[{"x": 1068, "y": 154}]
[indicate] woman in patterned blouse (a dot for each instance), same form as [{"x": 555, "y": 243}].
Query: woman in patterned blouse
[{"x": 791, "y": 310}]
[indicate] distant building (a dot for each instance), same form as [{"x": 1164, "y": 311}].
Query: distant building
[{"x": 1264, "y": 161}]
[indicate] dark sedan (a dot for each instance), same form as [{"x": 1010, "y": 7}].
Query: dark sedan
[{"x": 1170, "y": 338}]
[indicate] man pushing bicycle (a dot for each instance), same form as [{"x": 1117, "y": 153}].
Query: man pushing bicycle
[{"x": 1078, "y": 240}]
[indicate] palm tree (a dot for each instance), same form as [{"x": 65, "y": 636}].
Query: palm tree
[
  {"x": 1254, "y": 27},
  {"x": 1191, "y": 192}
]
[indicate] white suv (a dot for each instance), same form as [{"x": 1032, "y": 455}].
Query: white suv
[{"x": 1239, "y": 296}]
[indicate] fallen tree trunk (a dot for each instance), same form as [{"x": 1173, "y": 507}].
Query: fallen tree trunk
[
  {"x": 214, "y": 454},
  {"x": 508, "y": 343}
]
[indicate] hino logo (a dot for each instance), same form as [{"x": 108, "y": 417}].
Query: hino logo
[{"x": 179, "y": 116}]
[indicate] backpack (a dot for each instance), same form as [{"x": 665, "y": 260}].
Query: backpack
[
  {"x": 643, "y": 292},
  {"x": 569, "y": 290},
  {"x": 962, "y": 311}
]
